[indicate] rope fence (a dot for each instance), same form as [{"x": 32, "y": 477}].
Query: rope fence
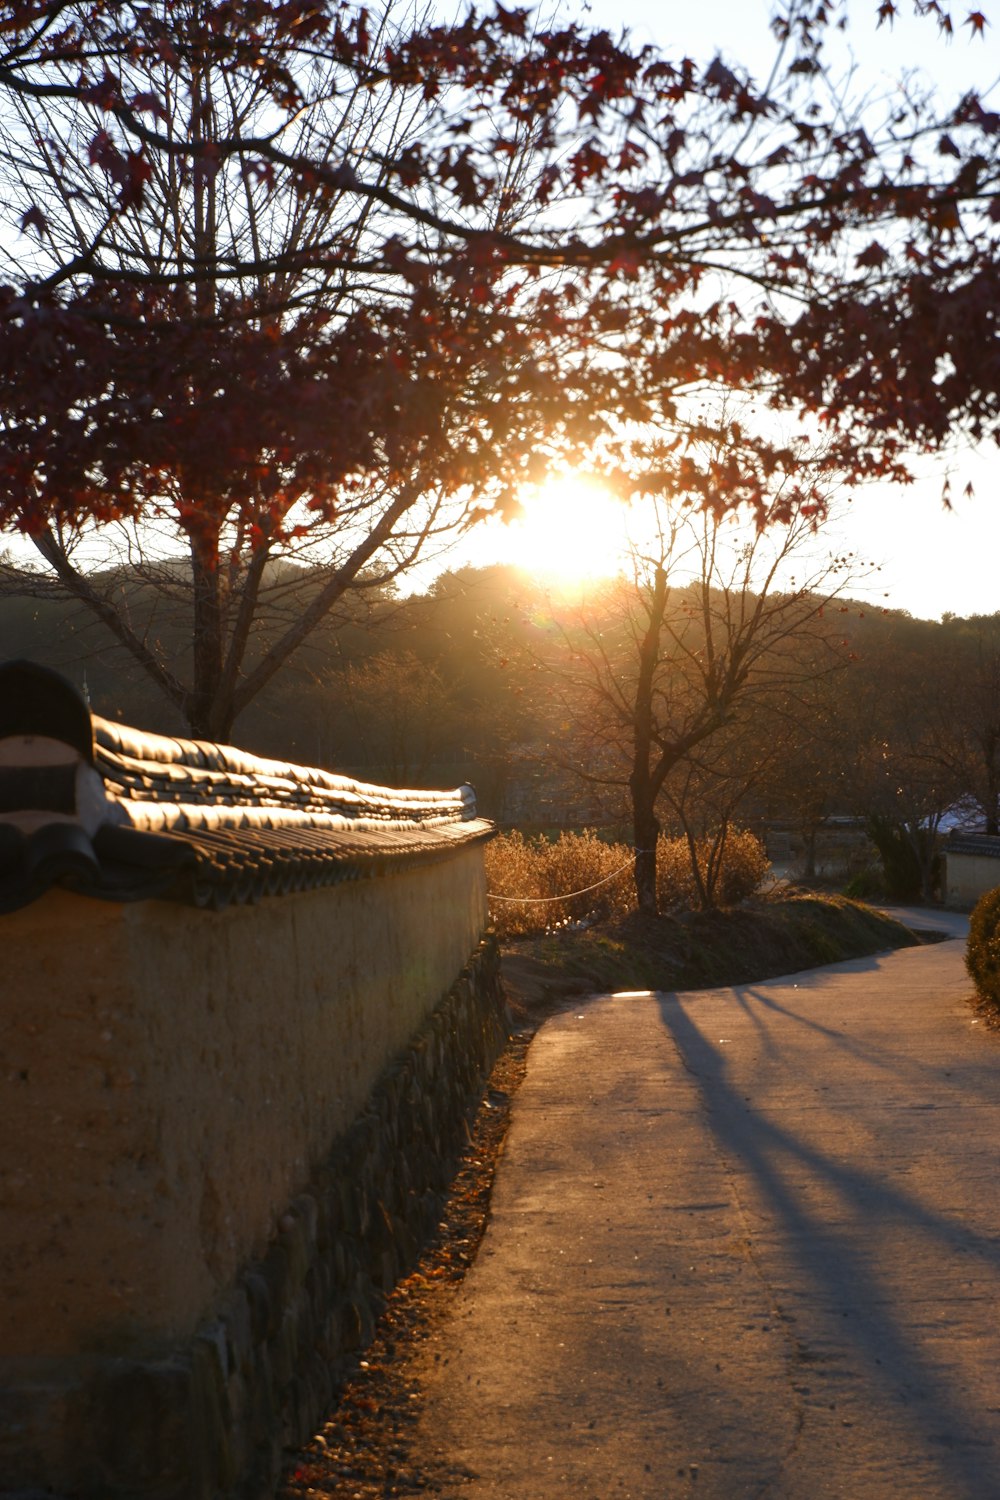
[{"x": 546, "y": 900}]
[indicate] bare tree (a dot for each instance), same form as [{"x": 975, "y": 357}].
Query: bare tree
[
  {"x": 904, "y": 773},
  {"x": 966, "y": 708},
  {"x": 402, "y": 712},
  {"x": 708, "y": 621}
]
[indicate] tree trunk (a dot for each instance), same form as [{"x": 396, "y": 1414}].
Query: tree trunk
[
  {"x": 646, "y": 831},
  {"x": 900, "y": 864},
  {"x": 928, "y": 859},
  {"x": 992, "y": 808},
  {"x": 704, "y": 895},
  {"x": 208, "y": 715},
  {"x": 642, "y": 782},
  {"x": 713, "y": 869}
]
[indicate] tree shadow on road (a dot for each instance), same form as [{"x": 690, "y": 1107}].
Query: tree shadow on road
[
  {"x": 760, "y": 1007},
  {"x": 839, "y": 1229}
]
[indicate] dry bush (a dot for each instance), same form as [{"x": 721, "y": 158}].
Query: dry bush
[
  {"x": 536, "y": 871},
  {"x": 742, "y": 869},
  {"x": 577, "y": 861},
  {"x": 535, "y": 868},
  {"x": 982, "y": 955},
  {"x": 513, "y": 869},
  {"x": 675, "y": 884},
  {"x": 745, "y": 867}
]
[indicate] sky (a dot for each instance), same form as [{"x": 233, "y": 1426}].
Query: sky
[{"x": 932, "y": 561}]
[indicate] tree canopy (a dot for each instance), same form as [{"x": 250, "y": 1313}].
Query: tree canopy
[{"x": 306, "y": 278}]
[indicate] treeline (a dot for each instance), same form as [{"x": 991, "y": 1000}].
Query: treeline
[
  {"x": 489, "y": 677},
  {"x": 416, "y": 690}
]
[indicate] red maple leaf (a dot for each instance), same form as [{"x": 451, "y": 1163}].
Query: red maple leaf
[
  {"x": 149, "y": 103},
  {"x": 874, "y": 255},
  {"x": 511, "y": 22}
]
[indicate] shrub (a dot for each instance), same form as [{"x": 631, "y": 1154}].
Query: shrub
[
  {"x": 745, "y": 867},
  {"x": 902, "y": 852},
  {"x": 548, "y": 883},
  {"x": 728, "y": 879},
  {"x": 541, "y": 871},
  {"x": 675, "y": 882},
  {"x": 982, "y": 954},
  {"x": 578, "y": 861},
  {"x": 865, "y": 885}
]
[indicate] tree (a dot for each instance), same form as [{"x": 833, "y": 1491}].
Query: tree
[
  {"x": 253, "y": 364},
  {"x": 471, "y": 627},
  {"x": 902, "y": 784},
  {"x": 811, "y": 737},
  {"x": 966, "y": 708},
  {"x": 705, "y": 801},
  {"x": 402, "y": 712},
  {"x": 225, "y": 374},
  {"x": 304, "y": 280},
  {"x": 671, "y": 661}
]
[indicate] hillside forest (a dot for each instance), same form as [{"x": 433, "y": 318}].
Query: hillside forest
[{"x": 848, "y": 716}]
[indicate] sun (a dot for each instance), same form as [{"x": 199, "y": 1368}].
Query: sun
[{"x": 572, "y": 529}]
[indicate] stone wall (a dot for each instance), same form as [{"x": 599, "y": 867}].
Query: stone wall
[{"x": 239, "y": 1167}]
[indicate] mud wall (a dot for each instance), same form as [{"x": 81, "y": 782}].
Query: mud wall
[
  {"x": 223, "y": 1137},
  {"x": 967, "y": 877}
]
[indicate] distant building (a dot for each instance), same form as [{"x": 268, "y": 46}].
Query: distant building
[{"x": 972, "y": 867}]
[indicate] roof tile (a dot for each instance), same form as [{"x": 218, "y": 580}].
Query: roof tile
[{"x": 186, "y": 819}]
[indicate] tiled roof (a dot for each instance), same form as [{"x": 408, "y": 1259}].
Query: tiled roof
[
  {"x": 983, "y": 844},
  {"x": 122, "y": 814}
]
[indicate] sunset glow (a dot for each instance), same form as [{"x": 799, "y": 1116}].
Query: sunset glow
[{"x": 572, "y": 528}]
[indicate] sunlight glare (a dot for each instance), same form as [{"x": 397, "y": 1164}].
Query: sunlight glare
[{"x": 572, "y": 529}]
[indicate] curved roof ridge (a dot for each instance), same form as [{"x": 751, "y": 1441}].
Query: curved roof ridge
[
  {"x": 123, "y": 814},
  {"x": 136, "y": 758}
]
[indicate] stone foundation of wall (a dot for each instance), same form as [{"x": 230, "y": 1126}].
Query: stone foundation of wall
[{"x": 211, "y": 1418}]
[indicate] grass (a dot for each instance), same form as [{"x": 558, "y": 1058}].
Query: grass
[{"x": 762, "y": 939}]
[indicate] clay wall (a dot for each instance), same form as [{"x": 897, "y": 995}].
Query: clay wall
[
  {"x": 967, "y": 877},
  {"x": 221, "y": 1139}
]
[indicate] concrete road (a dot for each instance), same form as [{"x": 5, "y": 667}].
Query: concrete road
[{"x": 744, "y": 1243}]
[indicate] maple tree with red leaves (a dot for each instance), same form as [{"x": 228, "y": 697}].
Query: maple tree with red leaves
[{"x": 303, "y": 280}]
